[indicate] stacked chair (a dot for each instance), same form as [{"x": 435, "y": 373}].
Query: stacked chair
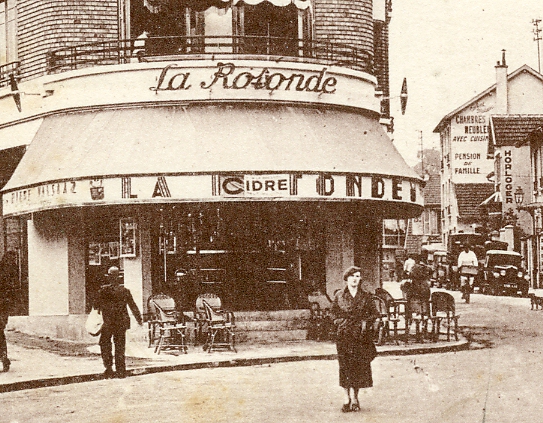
[{"x": 167, "y": 326}]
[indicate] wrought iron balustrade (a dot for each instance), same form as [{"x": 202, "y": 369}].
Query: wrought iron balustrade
[
  {"x": 207, "y": 47},
  {"x": 6, "y": 70}
]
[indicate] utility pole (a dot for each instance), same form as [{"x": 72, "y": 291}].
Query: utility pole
[
  {"x": 537, "y": 39},
  {"x": 421, "y": 152}
]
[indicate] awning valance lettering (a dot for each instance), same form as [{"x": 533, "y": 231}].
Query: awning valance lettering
[{"x": 226, "y": 139}]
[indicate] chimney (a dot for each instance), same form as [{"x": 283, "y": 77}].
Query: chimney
[{"x": 501, "y": 106}]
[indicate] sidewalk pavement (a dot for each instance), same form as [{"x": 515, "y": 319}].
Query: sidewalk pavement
[{"x": 34, "y": 367}]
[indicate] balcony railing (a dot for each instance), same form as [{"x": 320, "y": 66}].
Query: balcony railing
[
  {"x": 206, "y": 47},
  {"x": 6, "y": 70}
]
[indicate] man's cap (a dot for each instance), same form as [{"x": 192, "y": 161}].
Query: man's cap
[{"x": 113, "y": 270}]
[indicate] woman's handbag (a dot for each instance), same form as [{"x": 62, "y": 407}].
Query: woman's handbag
[{"x": 94, "y": 322}]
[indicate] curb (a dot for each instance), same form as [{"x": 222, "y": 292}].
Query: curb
[{"x": 244, "y": 362}]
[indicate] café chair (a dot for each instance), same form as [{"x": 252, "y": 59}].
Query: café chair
[
  {"x": 166, "y": 325},
  {"x": 417, "y": 312},
  {"x": 386, "y": 323},
  {"x": 321, "y": 324},
  {"x": 220, "y": 328},
  {"x": 444, "y": 310}
]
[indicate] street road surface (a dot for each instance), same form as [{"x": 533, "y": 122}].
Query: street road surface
[{"x": 498, "y": 380}]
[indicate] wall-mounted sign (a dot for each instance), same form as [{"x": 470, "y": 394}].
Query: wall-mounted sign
[
  {"x": 208, "y": 80},
  {"x": 214, "y": 187},
  {"x": 469, "y": 145},
  {"x": 174, "y": 78},
  {"x": 95, "y": 256},
  {"x": 127, "y": 245}
]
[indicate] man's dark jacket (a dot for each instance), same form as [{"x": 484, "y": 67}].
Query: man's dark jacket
[
  {"x": 112, "y": 301},
  {"x": 8, "y": 281}
]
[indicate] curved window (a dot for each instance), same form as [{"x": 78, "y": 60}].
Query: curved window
[
  {"x": 271, "y": 29},
  {"x": 184, "y": 26}
]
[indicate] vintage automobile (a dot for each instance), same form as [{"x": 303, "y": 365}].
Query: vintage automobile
[{"x": 504, "y": 274}]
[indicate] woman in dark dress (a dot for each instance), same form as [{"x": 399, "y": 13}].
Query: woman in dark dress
[{"x": 354, "y": 313}]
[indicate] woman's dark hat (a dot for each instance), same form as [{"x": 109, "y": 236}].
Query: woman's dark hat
[{"x": 350, "y": 271}]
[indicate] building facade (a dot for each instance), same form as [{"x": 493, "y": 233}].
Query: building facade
[
  {"x": 525, "y": 132},
  {"x": 232, "y": 147},
  {"x": 468, "y": 177}
]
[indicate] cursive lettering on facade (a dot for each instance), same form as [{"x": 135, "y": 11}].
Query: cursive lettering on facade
[
  {"x": 229, "y": 78},
  {"x": 52, "y": 190},
  {"x": 43, "y": 192}
]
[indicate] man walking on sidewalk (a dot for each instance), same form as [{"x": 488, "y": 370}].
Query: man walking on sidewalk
[
  {"x": 9, "y": 277},
  {"x": 112, "y": 301}
]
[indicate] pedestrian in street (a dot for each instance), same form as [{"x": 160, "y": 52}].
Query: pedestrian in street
[
  {"x": 9, "y": 278},
  {"x": 408, "y": 266},
  {"x": 112, "y": 302},
  {"x": 418, "y": 285},
  {"x": 467, "y": 268},
  {"x": 354, "y": 314}
]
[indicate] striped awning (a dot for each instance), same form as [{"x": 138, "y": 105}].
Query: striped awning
[{"x": 200, "y": 138}]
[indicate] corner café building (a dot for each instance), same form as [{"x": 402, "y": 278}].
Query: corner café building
[{"x": 259, "y": 180}]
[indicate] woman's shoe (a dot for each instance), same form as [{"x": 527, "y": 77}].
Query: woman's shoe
[
  {"x": 346, "y": 408},
  {"x": 355, "y": 406}
]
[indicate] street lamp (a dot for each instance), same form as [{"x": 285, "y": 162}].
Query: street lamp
[{"x": 519, "y": 196}]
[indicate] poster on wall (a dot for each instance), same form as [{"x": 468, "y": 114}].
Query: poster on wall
[
  {"x": 94, "y": 254},
  {"x": 128, "y": 237},
  {"x": 104, "y": 250},
  {"x": 113, "y": 250}
]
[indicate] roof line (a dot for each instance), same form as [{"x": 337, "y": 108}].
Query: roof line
[{"x": 512, "y": 75}]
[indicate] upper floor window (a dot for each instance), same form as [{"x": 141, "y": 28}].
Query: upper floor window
[
  {"x": 220, "y": 26},
  {"x": 394, "y": 232},
  {"x": 8, "y": 32},
  {"x": 3, "y": 39}
]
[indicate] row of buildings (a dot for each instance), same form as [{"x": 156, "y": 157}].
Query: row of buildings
[
  {"x": 491, "y": 179},
  {"x": 491, "y": 171},
  {"x": 227, "y": 146}
]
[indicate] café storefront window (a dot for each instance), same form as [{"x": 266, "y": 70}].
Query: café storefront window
[{"x": 255, "y": 256}]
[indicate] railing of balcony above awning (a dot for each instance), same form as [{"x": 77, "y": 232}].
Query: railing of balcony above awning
[
  {"x": 208, "y": 48},
  {"x": 6, "y": 70}
]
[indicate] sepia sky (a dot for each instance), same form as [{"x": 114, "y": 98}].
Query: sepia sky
[{"x": 447, "y": 50}]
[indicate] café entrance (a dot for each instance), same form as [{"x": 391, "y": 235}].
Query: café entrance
[{"x": 255, "y": 256}]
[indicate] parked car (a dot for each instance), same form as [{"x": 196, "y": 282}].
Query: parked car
[{"x": 504, "y": 274}]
